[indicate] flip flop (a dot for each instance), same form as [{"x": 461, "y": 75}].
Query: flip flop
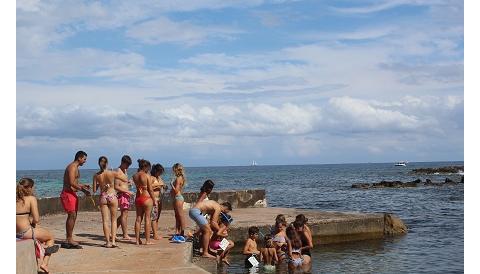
[
  {"x": 71, "y": 246},
  {"x": 51, "y": 249}
]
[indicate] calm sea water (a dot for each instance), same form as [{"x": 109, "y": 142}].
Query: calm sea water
[{"x": 434, "y": 215}]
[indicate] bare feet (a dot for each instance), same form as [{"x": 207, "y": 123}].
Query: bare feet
[
  {"x": 149, "y": 243},
  {"x": 208, "y": 256},
  {"x": 127, "y": 238},
  {"x": 44, "y": 268},
  {"x": 225, "y": 261},
  {"x": 156, "y": 238},
  {"x": 72, "y": 242},
  {"x": 139, "y": 242}
]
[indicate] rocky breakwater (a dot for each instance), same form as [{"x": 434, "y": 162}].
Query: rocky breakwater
[
  {"x": 439, "y": 170},
  {"x": 400, "y": 184}
]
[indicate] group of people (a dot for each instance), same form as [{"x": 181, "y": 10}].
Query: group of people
[
  {"x": 114, "y": 187},
  {"x": 286, "y": 244}
]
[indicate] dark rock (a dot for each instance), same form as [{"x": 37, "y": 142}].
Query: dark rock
[
  {"x": 387, "y": 184},
  {"x": 412, "y": 183},
  {"x": 361, "y": 185},
  {"x": 440, "y": 170}
]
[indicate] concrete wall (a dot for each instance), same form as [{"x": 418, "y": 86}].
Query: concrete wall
[
  {"x": 238, "y": 199},
  {"x": 26, "y": 260},
  {"x": 327, "y": 231}
]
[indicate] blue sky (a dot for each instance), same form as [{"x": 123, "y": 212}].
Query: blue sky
[{"x": 227, "y": 82}]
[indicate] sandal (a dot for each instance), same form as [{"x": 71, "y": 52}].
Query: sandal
[
  {"x": 71, "y": 246},
  {"x": 51, "y": 249}
]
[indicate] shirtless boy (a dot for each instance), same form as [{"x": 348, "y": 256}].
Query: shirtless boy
[
  {"x": 250, "y": 248},
  {"x": 213, "y": 209},
  {"x": 124, "y": 195},
  {"x": 69, "y": 198}
]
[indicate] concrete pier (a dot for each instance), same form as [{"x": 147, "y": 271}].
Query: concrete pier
[{"x": 166, "y": 257}]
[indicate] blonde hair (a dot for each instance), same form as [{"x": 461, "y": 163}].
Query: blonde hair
[
  {"x": 24, "y": 188},
  {"x": 178, "y": 171}
]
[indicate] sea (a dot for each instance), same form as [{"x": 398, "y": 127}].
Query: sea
[{"x": 434, "y": 215}]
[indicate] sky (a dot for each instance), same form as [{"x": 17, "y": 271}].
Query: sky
[{"x": 215, "y": 83}]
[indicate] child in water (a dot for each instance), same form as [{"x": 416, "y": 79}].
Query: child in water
[
  {"x": 222, "y": 233},
  {"x": 268, "y": 254},
  {"x": 250, "y": 249},
  {"x": 296, "y": 261}
]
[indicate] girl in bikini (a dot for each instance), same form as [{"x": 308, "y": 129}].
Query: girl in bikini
[
  {"x": 104, "y": 180},
  {"x": 159, "y": 188},
  {"x": 144, "y": 200},
  {"x": 268, "y": 254},
  {"x": 178, "y": 182},
  {"x": 280, "y": 239},
  {"x": 296, "y": 261},
  {"x": 28, "y": 219}
]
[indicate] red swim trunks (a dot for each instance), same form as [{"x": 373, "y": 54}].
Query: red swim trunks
[
  {"x": 123, "y": 200},
  {"x": 69, "y": 201}
]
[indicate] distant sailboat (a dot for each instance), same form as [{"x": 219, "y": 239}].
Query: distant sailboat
[{"x": 254, "y": 163}]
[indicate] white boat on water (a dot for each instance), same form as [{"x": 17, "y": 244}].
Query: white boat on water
[
  {"x": 402, "y": 163},
  {"x": 254, "y": 163}
]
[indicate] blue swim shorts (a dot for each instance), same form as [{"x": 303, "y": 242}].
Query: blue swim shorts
[{"x": 196, "y": 215}]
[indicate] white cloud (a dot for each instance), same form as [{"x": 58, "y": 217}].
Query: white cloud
[
  {"x": 359, "y": 115},
  {"x": 387, "y": 4},
  {"x": 163, "y": 30},
  {"x": 81, "y": 62},
  {"x": 340, "y": 114}
]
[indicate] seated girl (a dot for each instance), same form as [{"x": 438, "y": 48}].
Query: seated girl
[{"x": 28, "y": 220}]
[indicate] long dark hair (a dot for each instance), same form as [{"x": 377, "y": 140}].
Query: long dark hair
[
  {"x": 103, "y": 165},
  {"x": 207, "y": 186},
  {"x": 157, "y": 168},
  {"x": 142, "y": 164}
]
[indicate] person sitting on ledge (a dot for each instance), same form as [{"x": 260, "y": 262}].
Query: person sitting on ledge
[
  {"x": 28, "y": 220},
  {"x": 213, "y": 209}
]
